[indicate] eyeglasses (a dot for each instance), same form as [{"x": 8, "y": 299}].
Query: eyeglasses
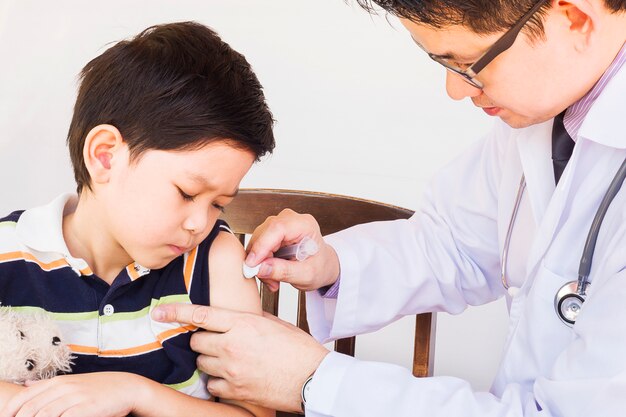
[{"x": 501, "y": 45}]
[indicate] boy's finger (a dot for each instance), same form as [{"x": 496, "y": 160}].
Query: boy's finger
[
  {"x": 14, "y": 405},
  {"x": 209, "y": 318}
]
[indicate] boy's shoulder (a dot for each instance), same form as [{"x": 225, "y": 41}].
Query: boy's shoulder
[
  {"x": 11, "y": 246},
  {"x": 8, "y": 234}
]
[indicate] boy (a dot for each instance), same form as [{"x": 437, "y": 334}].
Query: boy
[{"x": 165, "y": 126}]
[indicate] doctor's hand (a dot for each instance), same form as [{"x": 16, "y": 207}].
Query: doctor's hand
[
  {"x": 258, "y": 359},
  {"x": 288, "y": 227}
]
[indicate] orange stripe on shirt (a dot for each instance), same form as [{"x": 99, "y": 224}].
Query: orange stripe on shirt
[
  {"x": 137, "y": 350},
  {"x": 46, "y": 266},
  {"x": 167, "y": 334},
  {"x": 189, "y": 266},
  {"x": 89, "y": 350}
]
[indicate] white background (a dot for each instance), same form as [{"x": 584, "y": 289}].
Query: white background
[{"x": 360, "y": 110}]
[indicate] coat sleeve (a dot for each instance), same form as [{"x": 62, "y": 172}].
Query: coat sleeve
[
  {"x": 346, "y": 387},
  {"x": 444, "y": 258},
  {"x": 588, "y": 377}
]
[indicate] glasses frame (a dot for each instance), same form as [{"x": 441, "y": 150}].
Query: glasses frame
[{"x": 501, "y": 45}]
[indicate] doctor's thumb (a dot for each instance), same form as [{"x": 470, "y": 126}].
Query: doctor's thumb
[{"x": 276, "y": 270}]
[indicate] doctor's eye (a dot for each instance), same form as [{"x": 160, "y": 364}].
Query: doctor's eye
[{"x": 462, "y": 66}]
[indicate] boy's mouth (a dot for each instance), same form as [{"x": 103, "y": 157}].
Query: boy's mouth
[{"x": 178, "y": 250}]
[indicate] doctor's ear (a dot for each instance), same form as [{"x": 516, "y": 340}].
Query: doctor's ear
[
  {"x": 104, "y": 146},
  {"x": 581, "y": 18}
]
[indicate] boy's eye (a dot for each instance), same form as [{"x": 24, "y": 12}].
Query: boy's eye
[
  {"x": 220, "y": 208},
  {"x": 185, "y": 196}
]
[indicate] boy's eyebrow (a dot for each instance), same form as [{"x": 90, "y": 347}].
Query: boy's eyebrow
[{"x": 207, "y": 184}]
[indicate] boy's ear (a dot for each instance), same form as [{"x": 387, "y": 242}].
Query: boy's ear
[
  {"x": 102, "y": 144},
  {"x": 582, "y": 18}
]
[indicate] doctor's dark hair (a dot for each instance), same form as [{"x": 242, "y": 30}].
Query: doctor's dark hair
[
  {"x": 481, "y": 16},
  {"x": 175, "y": 86}
]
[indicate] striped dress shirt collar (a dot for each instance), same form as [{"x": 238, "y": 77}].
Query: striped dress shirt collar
[{"x": 576, "y": 113}]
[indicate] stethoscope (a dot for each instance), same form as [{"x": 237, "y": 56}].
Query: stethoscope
[{"x": 570, "y": 297}]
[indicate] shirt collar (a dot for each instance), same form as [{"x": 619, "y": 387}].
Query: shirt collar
[
  {"x": 41, "y": 229},
  {"x": 598, "y": 115}
]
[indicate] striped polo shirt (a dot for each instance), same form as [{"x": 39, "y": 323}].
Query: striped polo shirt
[{"x": 107, "y": 327}]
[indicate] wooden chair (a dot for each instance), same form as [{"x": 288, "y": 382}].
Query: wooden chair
[{"x": 333, "y": 212}]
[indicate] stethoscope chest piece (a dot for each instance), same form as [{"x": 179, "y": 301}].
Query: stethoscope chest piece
[{"x": 568, "y": 302}]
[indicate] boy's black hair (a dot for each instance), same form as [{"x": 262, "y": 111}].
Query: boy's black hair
[
  {"x": 175, "y": 86},
  {"x": 481, "y": 16}
]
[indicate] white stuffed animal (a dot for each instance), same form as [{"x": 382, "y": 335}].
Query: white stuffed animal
[{"x": 30, "y": 347}]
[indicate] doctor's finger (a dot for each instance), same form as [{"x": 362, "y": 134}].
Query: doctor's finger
[
  {"x": 276, "y": 231},
  {"x": 219, "y": 387},
  {"x": 208, "y": 343},
  {"x": 211, "y": 365},
  {"x": 297, "y": 273},
  {"x": 271, "y": 284},
  {"x": 210, "y": 318}
]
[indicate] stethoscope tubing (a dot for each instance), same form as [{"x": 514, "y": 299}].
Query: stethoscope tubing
[
  {"x": 590, "y": 244},
  {"x": 584, "y": 267},
  {"x": 509, "y": 232}
]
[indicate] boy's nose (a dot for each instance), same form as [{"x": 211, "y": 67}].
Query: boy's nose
[
  {"x": 197, "y": 222},
  {"x": 457, "y": 88}
]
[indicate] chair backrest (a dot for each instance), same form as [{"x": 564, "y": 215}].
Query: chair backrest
[{"x": 333, "y": 212}]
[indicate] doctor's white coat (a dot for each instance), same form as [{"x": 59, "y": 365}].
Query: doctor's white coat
[{"x": 447, "y": 256}]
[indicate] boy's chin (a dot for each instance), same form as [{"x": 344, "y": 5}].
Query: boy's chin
[{"x": 154, "y": 263}]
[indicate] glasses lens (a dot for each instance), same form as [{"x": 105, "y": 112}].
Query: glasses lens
[
  {"x": 471, "y": 81},
  {"x": 458, "y": 71}
]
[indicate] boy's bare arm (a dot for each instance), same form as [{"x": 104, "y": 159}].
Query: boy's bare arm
[
  {"x": 164, "y": 401},
  {"x": 230, "y": 289},
  {"x": 107, "y": 394}
]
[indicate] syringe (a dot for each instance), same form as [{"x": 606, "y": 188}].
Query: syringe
[{"x": 298, "y": 251}]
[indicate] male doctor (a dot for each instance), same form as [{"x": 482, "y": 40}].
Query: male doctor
[{"x": 517, "y": 202}]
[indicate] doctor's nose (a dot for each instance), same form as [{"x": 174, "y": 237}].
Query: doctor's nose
[{"x": 457, "y": 88}]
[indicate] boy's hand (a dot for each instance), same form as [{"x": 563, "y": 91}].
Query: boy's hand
[
  {"x": 289, "y": 227},
  {"x": 7, "y": 391},
  {"x": 102, "y": 394},
  {"x": 258, "y": 359}
]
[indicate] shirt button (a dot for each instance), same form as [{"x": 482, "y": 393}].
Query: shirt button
[{"x": 108, "y": 310}]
